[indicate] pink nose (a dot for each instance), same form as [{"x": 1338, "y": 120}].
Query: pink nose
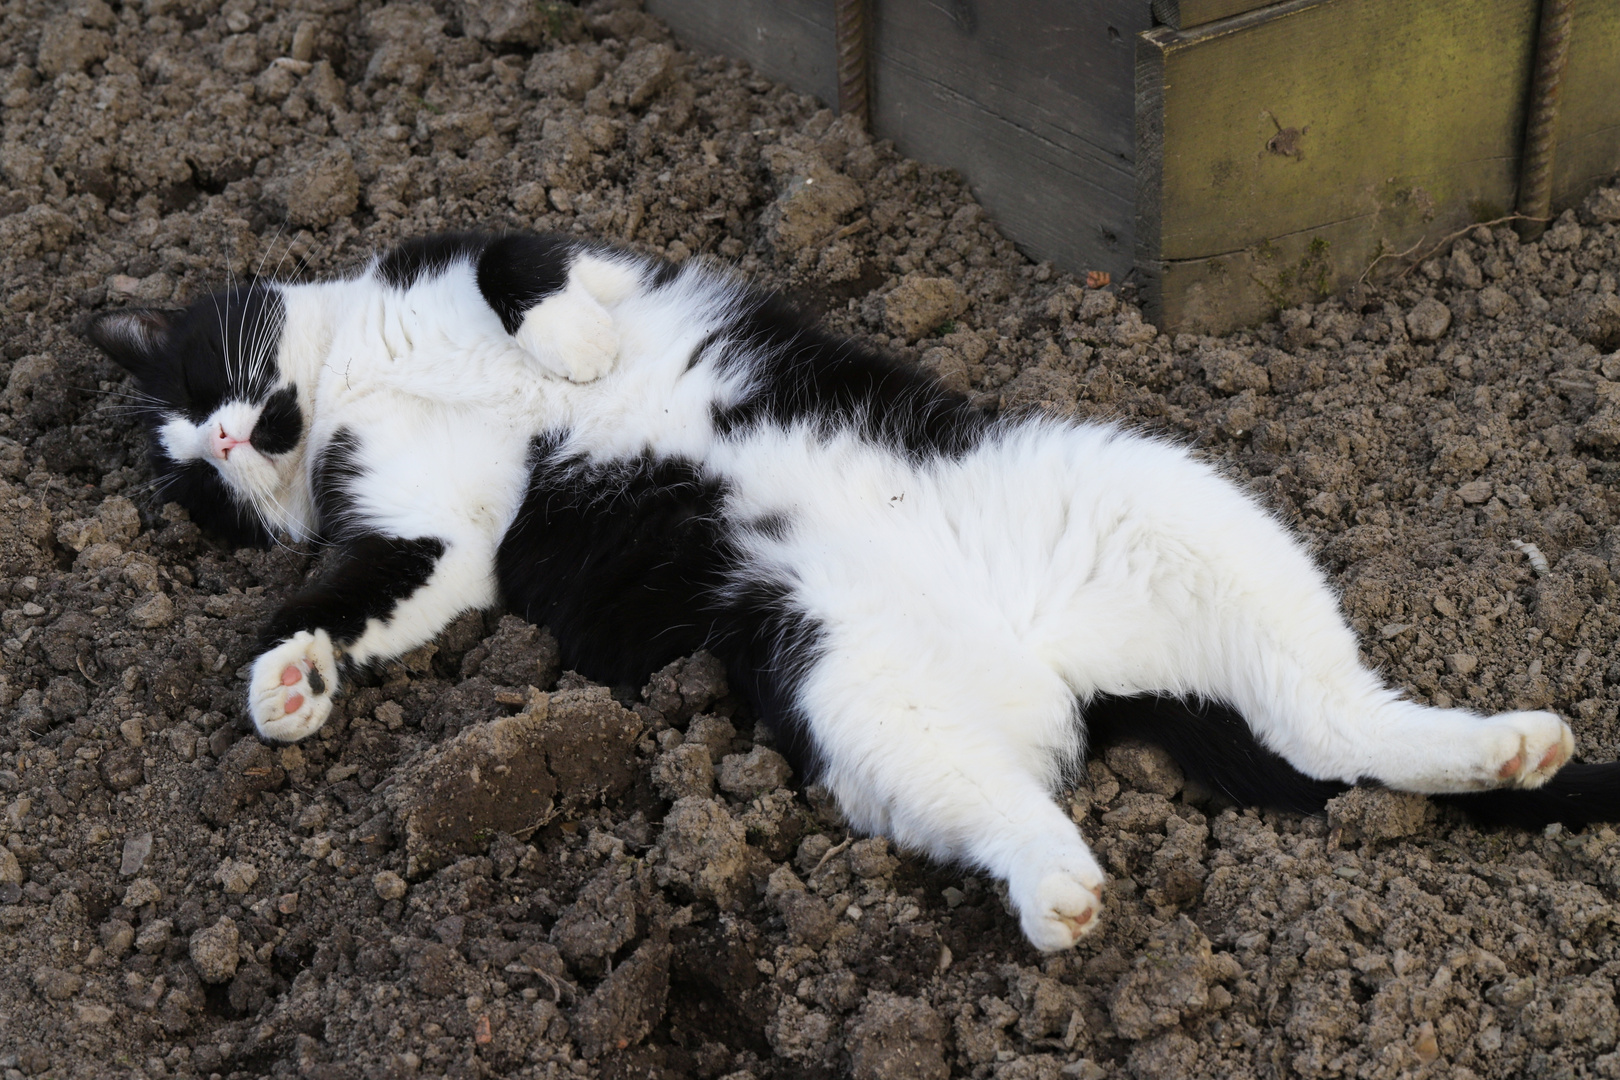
[{"x": 222, "y": 444}]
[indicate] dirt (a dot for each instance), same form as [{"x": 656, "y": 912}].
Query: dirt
[{"x": 485, "y": 866}]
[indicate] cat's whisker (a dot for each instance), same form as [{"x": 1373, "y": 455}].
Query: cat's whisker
[
  {"x": 283, "y": 519},
  {"x": 268, "y": 248},
  {"x": 138, "y": 395},
  {"x": 156, "y": 483}
]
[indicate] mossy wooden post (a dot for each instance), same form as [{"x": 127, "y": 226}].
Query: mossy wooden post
[{"x": 1281, "y": 151}]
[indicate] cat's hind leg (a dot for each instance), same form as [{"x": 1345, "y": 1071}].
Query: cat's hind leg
[
  {"x": 1256, "y": 625},
  {"x": 1297, "y": 676},
  {"x": 957, "y": 754}
]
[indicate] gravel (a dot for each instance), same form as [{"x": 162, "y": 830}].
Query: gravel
[{"x": 642, "y": 891}]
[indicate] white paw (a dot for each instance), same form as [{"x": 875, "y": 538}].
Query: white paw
[
  {"x": 571, "y": 335},
  {"x": 290, "y": 690},
  {"x": 610, "y": 281},
  {"x": 1530, "y": 747},
  {"x": 1062, "y": 906}
]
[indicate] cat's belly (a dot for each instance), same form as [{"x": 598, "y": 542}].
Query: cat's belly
[{"x": 1052, "y": 549}]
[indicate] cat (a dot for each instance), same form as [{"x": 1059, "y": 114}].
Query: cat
[{"x": 935, "y": 609}]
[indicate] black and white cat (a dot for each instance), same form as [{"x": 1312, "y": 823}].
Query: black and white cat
[{"x": 930, "y": 606}]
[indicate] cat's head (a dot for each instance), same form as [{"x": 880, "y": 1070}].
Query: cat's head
[{"x": 224, "y": 421}]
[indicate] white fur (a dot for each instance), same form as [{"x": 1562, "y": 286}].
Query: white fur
[
  {"x": 969, "y": 605},
  {"x": 571, "y": 335},
  {"x": 291, "y": 710}
]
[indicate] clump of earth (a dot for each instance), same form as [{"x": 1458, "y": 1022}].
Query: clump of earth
[{"x": 484, "y": 865}]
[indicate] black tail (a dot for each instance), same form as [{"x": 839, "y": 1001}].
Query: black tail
[
  {"x": 1214, "y": 747},
  {"x": 1576, "y": 795}
]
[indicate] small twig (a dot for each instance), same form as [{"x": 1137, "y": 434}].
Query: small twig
[
  {"x": 836, "y": 849},
  {"x": 1443, "y": 241},
  {"x": 852, "y": 228},
  {"x": 1388, "y": 255}
]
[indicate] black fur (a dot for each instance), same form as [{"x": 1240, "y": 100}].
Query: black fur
[
  {"x": 335, "y": 470},
  {"x": 622, "y": 562},
  {"x": 702, "y": 349},
  {"x": 811, "y": 374},
  {"x": 222, "y": 347},
  {"x": 515, "y": 271},
  {"x": 1214, "y": 746},
  {"x": 519, "y": 270},
  {"x": 197, "y": 486},
  {"x": 133, "y": 337},
  {"x": 769, "y": 646},
  {"x": 664, "y": 272},
  {"x": 425, "y": 256},
  {"x": 281, "y": 423},
  {"x": 630, "y": 568},
  {"x": 366, "y": 579},
  {"x": 1576, "y": 795}
]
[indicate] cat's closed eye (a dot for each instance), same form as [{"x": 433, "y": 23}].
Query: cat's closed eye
[{"x": 217, "y": 399}]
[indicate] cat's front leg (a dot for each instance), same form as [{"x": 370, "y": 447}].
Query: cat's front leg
[
  {"x": 378, "y": 598},
  {"x": 571, "y": 334},
  {"x": 556, "y": 299}
]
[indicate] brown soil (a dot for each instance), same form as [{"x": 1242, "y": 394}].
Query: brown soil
[{"x": 461, "y": 875}]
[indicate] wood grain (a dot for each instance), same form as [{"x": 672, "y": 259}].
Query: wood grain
[
  {"x": 1032, "y": 101},
  {"x": 1186, "y": 14},
  {"x": 790, "y": 41}
]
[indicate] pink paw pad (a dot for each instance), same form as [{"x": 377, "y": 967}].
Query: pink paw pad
[{"x": 291, "y": 675}]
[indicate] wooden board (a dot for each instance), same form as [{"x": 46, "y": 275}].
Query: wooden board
[
  {"x": 1031, "y": 100},
  {"x": 1186, "y": 14},
  {"x": 1260, "y": 156},
  {"x": 790, "y": 41},
  {"x": 1589, "y": 114},
  {"x": 1280, "y": 151}
]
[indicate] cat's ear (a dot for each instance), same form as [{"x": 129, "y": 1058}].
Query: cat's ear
[{"x": 134, "y": 337}]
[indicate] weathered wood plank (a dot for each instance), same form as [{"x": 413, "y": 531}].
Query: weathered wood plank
[
  {"x": 790, "y": 41},
  {"x": 1589, "y": 113},
  {"x": 1031, "y": 100},
  {"x": 1186, "y": 14},
  {"x": 1299, "y": 139}
]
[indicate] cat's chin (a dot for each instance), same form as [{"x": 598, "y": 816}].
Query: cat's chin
[{"x": 259, "y": 485}]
